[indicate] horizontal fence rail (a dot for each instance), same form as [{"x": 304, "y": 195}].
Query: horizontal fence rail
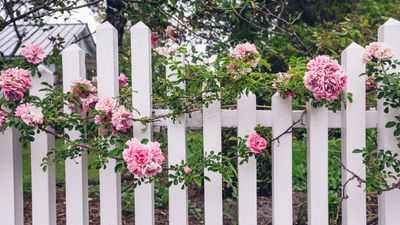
[{"x": 353, "y": 120}]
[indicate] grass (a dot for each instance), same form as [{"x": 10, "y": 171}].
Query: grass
[{"x": 60, "y": 168}]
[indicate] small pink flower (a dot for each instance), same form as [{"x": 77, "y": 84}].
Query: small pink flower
[
  {"x": 143, "y": 160},
  {"x": 171, "y": 33},
  {"x": 30, "y": 115},
  {"x": 123, "y": 80},
  {"x": 14, "y": 83},
  {"x": 97, "y": 119},
  {"x": 154, "y": 39},
  {"x": 34, "y": 54},
  {"x": 3, "y": 118},
  {"x": 165, "y": 51},
  {"x": 121, "y": 119},
  {"x": 370, "y": 84},
  {"x": 256, "y": 143},
  {"x": 187, "y": 170}
]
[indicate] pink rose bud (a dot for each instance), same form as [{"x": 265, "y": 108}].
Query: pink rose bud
[{"x": 187, "y": 170}]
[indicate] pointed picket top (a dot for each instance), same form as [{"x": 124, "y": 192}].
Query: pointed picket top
[
  {"x": 391, "y": 22},
  {"x": 106, "y": 25},
  {"x": 72, "y": 48},
  {"x": 140, "y": 26},
  {"x": 391, "y": 25},
  {"x": 352, "y": 46}
]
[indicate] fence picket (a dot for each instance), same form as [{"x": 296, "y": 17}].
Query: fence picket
[
  {"x": 389, "y": 202},
  {"x": 76, "y": 170},
  {"x": 212, "y": 141},
  {"x": 11, "y": 193},
  {"x": 317, "y": 165},
  {"x": 247, "y": 173},
  {"x": 353, "y": 136},
  {"x": 107, "y": 86},
  {"x": 281, "y": 162},
  {"x": 141, "y": 99},
  {"x": 178, "y": 205},
  {"x": 43, "y": 182}
]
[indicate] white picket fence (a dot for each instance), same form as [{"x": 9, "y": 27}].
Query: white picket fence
[{"x": 353, "y": 121}]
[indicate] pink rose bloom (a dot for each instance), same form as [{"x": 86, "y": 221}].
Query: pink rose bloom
[
  {"x": 154, "y": 39},
  {"x": 143, "y": 160},
  {"x": 97, "y": 119},
  {"x": 325, "y": 78},
  {"x": 3, "y": 118},
  {"x": 378, "y": 51},
  {"x": 121, "y": 119},
  {"x": 14, "y": 83},
  {"x": 165, "y": 51},
  {"x": 256, "y": 143},
  {"x": 243, "y": 50},
  {"x": 34, "y": 54},
  {"x": 187, "y": 170},
  {"x": 106, "y": 105},
  {"x": 30, "y": 115},
  {"x": 171, "y": 33},
  {"x": 123, "y": 80}
]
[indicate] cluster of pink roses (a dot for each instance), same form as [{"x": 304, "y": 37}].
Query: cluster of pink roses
[
  {"x": 14, "y": 83},
  {"x": 144, "y": 160},
  {"x": 119, "y": 117},
  {"x": 248, "y": 54},
  {"x": 325, "y": 78},
  {"x": 256, "y": 143},
  {"x": 34, "y": 54},
  {"x": 280, "y": 80},
  {"x": 87, "y": 94},
  {"x": 30, "y": 114},
  {"x": 378, "y": 51}
]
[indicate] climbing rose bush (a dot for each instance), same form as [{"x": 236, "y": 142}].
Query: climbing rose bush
[
  {"x": 14, "y": 82},
  {"x": 256, "y": 143},
  {"x": 325, "y": 78},
  {"x": 34, "y": 54},
  {"x": 143, "y": 160},
  {"x": 30, "y": 114},
  {"x": 376, "y": 51}
]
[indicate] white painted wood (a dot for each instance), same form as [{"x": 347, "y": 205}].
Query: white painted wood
[
  {"x": 178, "y": 204},
  {"x": 43, "y": 182},
  {"x": 389, "y": 202},
  {"x": 317, "y": 165},
  {"x": 212, "y": 141},
  {"x": 264, "y": 118},
  {"x": 353, "y": 136},
  {"x": 107, "y": 86},
  {"x": 76, "y": 170},
  {"x": 142, "y": 89},
  {"x": 281, "y": 161},
  {"x": 11, "y": 195},
  {"x": 247, "y": 172}
]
